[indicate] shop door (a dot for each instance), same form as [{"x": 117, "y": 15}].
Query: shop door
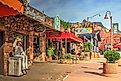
[
  {"x": 36, "y": 46},
  {"x": 1, "y": 53}
]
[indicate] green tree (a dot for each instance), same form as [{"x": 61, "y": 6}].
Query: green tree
[
  {"x": 65, "y": 24},
  {"x": 88, "y": 46}
]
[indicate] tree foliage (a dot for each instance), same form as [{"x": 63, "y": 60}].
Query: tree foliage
[
  {"x": 65, "y": 24},
  {"x": 50, "y": 51},
  {"x": 88, "y": 46}
]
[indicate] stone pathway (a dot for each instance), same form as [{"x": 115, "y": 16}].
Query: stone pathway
[
  {"x": 43, "y": 72},
  {"x": 92, "y": 71}
]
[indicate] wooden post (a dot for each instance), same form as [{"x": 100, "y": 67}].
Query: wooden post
[
  {"x": 31, "y": 47},
  {"x": 7, "y": 49},
  {"x": 57, "y": 49},
  {"x": 47, "y": 42},
  {"x": 66, "y": 45},
  {"x": 5, "y": 56},
  {"x": 43, "y": 46}
]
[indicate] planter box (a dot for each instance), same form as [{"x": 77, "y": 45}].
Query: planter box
[
  {"x": 88, "y": 54},
  {"x": 119, "y": 62},
  {"x": 92, "y": 55},
  {"x": 110, "y": 68},
  {"x": 98, "y": 55},
  {"x": 66, "y": 61}
]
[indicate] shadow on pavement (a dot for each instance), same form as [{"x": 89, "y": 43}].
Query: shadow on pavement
[{"x": 95, "y": 73}]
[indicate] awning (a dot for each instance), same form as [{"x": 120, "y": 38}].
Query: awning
[
  {"x": 94, "y": 35},
  {"x": 10, "y": 7},
  {"x": 62, "y": 35},
  {"x": 117, "y": 45}
]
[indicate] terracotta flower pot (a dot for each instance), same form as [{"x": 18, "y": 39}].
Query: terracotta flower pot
[
  {"x": 110, "y": 68},
  {"x": 119, "y": 62}
]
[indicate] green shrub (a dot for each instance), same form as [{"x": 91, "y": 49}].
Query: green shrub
[
  {"x": 50, "y": 51},
  {"x": 112, "y": 56},
  {"x": 68, "y": 56},
  {"x": 88, "y": 46}
]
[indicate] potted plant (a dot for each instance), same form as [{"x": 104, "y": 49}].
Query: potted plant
[
  {"x": 119, "y": 61},
  {"x": 68, "y": 58},
  {"x": 50, "y": 52},
  {"x": 111, "y": 67},
  {"x": 86, "y": 57},
  {"x": 61, "y": 59}
]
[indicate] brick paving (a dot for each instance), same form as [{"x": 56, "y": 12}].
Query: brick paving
[
  {"x": 92, "y": 71},
  {"x": 43, "y": 72},
  {"x": 84, "y": 71}
]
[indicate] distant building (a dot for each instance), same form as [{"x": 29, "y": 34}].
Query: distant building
[{"x": 116, "y": 28}]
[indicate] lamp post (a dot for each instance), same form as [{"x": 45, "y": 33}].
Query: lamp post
[
  {"x": 93, "y": 16},
  {"x": 111, "y": 33},
  {"x": 95, "y": 42}
]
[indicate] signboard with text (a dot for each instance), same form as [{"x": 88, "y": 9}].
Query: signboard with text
[
  {"x": 84, "y": 30},
  {"x": 115, "y": 28},
  {"x": 57, "y": 23}
]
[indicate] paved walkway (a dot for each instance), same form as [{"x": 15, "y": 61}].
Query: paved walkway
[
  {"x": 84, "y": 71},
  {"x": 43, "y": 72},
  {"x": 91, "y": 71}
]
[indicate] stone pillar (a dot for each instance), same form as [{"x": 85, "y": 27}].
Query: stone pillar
[
  {"x": 43, "y": 45},
  {"x": 31, "y": 47},
  {"x": 8, "y": 48}
]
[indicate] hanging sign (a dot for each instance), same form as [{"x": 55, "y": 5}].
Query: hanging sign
[{"x": 57, "y": 23}]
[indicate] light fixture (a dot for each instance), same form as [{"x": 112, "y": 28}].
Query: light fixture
[{"x": 106, "y": 17}]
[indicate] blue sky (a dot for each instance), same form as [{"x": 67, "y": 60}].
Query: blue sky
[{"x": 78, "y": 10}]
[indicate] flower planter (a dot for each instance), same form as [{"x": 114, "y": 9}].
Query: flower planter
[
  {"x": 92, "y": 55},
  {"x": 119, "y": 62},
  {"x": 87, "y": 55},
  {"x": 50, "y": 58},
  {"x": 66, "y": 61},
  {"x": 98, "y": 55},
  {"x": 110, "y": 68}
]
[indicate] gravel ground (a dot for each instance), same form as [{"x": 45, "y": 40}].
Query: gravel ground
[{"x": 43, "y": 72}]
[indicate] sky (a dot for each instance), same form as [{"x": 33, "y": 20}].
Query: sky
[{"x": 78, "y": 10}]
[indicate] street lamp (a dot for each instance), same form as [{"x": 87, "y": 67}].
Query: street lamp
[
  {"x": 111, "y": 33},
  {"x": 95, "y": 42},
  {"x": 93, "y": 16}
]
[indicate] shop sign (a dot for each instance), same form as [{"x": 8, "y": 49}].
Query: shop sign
[
  {"x": 115, "y": 28},
  {"x": 57, "y": 23},
  {"x": 53, "y": 34},
  {"x": 83, "y": 30},
  {"x": 86, "y": 30}
]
